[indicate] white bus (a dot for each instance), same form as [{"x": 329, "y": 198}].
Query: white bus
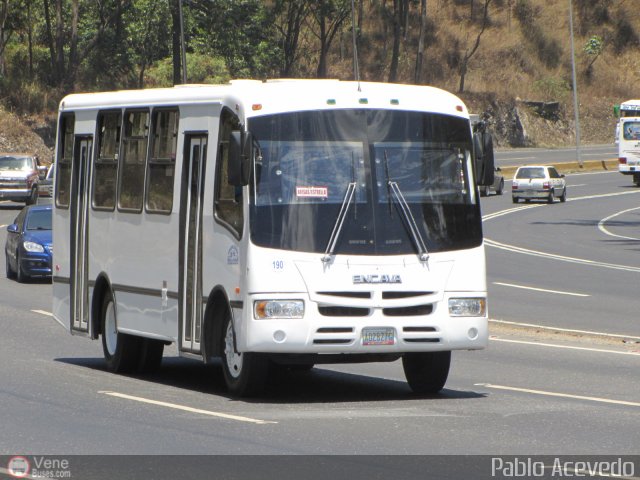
[
  {"x": 271, "y": 224},
  {"x": 628, "y": 138}
]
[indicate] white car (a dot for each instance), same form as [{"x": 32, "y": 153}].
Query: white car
[{"x": 538, "y": 182}]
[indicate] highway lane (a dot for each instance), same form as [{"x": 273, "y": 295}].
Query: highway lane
[
  {"x": 523, "y": 395},
  {"x": 572, "y": 265},
  {"x": 523, "y": 156}
]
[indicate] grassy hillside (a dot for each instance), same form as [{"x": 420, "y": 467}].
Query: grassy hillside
[{"x": 523, "y": 56}]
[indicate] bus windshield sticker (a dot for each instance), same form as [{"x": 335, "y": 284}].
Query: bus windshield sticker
[{"x": 312, "y": 192}]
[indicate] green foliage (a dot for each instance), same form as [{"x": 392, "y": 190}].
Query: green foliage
[
  {"x": 200, "y": 69},
  {"x": 552, "y": 88},
  {"x": 594, "y": 45}
]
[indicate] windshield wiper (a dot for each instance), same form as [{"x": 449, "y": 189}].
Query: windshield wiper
[
  {"x": 337, "y": 227},
  {"x": 410, "y": 222},
  {"x": 344, "y": 209}
]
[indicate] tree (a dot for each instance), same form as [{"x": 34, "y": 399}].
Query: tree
[
  {"x": 417, "y": 78},
  {"x": 328, "y": 16},
  {"x": 290, "y": 16},
  {"x": 464, "y": 63},
  {"x": 593, "y": 48},
  {"x": 147, "y": 26},
  {"x": 400, "y": 18}
]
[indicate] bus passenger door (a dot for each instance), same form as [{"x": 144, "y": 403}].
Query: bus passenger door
[
  {"x": 191, "y": 199},
  {"x": 79, "y": 204}
]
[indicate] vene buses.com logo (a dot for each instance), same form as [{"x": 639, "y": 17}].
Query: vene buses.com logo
[{"x": 18, "y": 467}]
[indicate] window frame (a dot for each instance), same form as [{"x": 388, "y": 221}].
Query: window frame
[
  {"x": 122, "y": 159},
  {"x": 62, "y": 160},
  {"x": 150, "y": 160},
  {"x": 227, "y": 119},
  {"x": 97, "y": 159}
]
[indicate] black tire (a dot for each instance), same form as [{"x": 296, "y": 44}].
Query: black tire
[
  {"x": 150, "y": 355},
  {"x": 563, "y": 198},
  {"x": 484, "y": 191},
  {"x": 245, "y": 374},
  {"x": 33, "y": 198},
  {"x": 121, "y": 351},
  {"x": 10, "y": 273},
  {"x": 20, "y": 275},
  {"x": 500, "y": 188},
  {"x": 515, "y": 199},
  {"x": 426, "y": 372},
  {"x": 551, "y": 198}
]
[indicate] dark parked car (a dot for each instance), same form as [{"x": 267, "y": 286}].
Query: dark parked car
[
  {"x": 497, "y": 187},
  {"x": 28, "y": 250}
]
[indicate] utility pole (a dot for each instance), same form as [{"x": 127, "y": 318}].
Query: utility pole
[{"x": 575, "y": 87}]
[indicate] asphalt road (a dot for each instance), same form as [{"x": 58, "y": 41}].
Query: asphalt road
[
  {"x": 523, "y": 156},
  {"x": 529, "y": 393},
  {"x": 573, "y": 265}
]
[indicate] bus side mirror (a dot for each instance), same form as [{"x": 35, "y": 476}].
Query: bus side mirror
[
  {"x": 485, "y": 161},
  {"x": 240, "y": 157}
]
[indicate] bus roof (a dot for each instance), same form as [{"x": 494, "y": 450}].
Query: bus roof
[
  {"x": 254, "y": 97},
  {"x": 630, "y": 105}
]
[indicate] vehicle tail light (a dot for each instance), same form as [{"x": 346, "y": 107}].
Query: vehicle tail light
[
  {"x": 622, "y": 161},
  {"x": 546, "y": 185},
  {"x": 514, "y": 185}
]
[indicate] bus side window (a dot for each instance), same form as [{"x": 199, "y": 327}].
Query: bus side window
[
  {"x": 227, "y": 198},
  {"x": 132, "y": 160},
  {"x": 65, "y": 154},
  {"x": 162, "y": 160},
  {"x": 106, "y": 161}
]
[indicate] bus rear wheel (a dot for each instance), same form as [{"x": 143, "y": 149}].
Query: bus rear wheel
[
  {"x": 426, "y": 372},
  {"x": 121, "y": 351},
  {"x": 245, "y": 374}
]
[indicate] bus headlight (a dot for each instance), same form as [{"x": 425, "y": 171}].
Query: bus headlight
[
  {"x": 267, "y": 309},
  {"x": 33, "y": 247},
  {"x": 467, "y": 307}
]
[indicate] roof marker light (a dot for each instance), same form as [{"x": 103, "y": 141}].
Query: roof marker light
[
  {"x": 459, "y": 108},
  {"x": 363, "y": 101},
  {"x": 331, "y": 101},
  {"x": 256, "y": 106},
  {"x": 395, "y": 101}
]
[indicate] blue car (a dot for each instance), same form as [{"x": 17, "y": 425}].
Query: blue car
[{"x": 28, "y": 249}]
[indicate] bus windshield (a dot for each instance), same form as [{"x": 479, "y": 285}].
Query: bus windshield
[
  {"x": 631, "y": 130},
  {"x": 310, "y": 159}
]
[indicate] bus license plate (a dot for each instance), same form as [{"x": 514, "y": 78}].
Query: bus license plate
[{"x": 378, "y": 336}]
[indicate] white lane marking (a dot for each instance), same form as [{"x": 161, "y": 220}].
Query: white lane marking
[
  {"x": 558, "y": 394},
  {"x": 43, "y": 312},
  {"x": 184, "y": 408},
  {"x": 602, "y": 222},
  {"x": 516, "y": 158},
  {"x": 578, "y": 185},
  {"x": 536, "y": 253},
  {"x": 568, "y": 330},
  {"x": 566, "y": 347},
  {"x": 559, "y": 292},
  {"x": 500, "y": 213}
]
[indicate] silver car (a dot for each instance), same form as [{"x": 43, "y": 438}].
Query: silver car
[{"x": 538, "y": 182}]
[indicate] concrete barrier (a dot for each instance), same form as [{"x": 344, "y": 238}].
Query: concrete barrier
[{"x": 570, "y": 167}]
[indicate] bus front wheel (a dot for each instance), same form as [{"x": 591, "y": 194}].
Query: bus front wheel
[
  {"x": 245, "y": 374},
  {"x": 121, "y": 351},
  {"x": 426, "y": 372}
]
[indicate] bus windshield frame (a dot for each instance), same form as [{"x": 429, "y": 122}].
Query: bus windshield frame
[{"x": 308, "y": 160}]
